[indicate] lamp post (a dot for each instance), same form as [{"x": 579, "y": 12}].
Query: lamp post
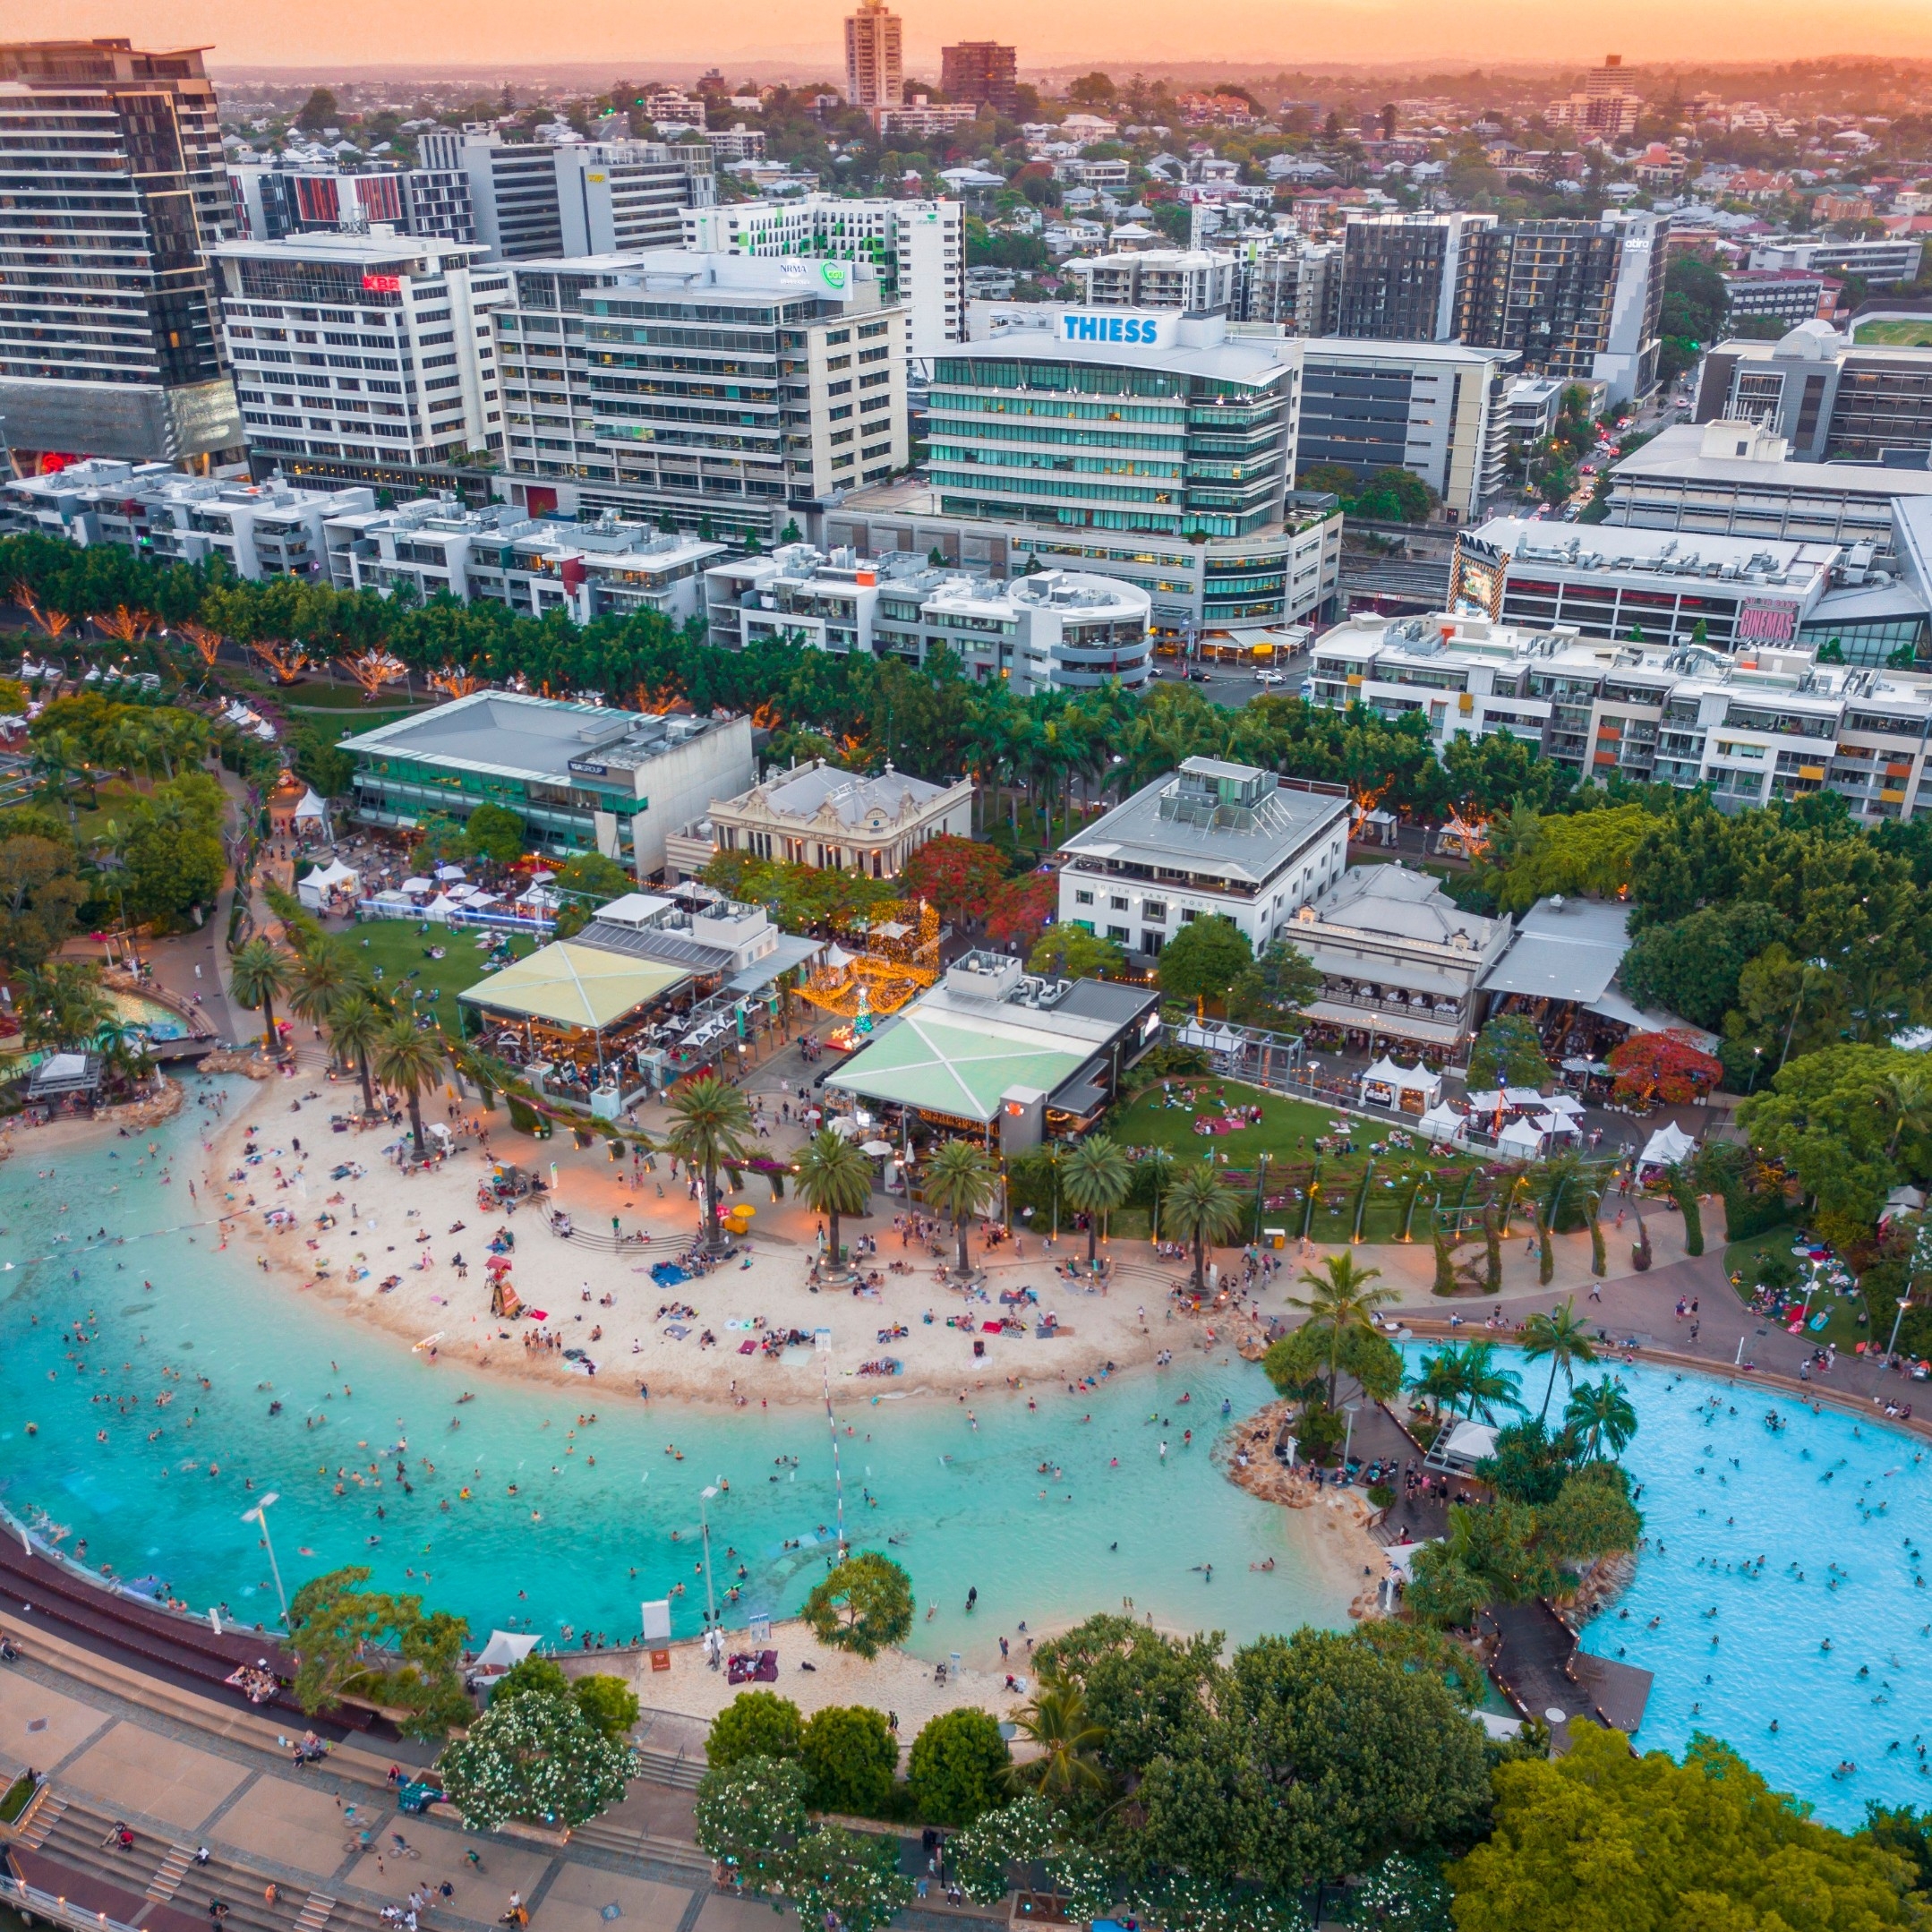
[
  {"x": 711, "y": 1601},
  {"x": 259, "y": 1515}
]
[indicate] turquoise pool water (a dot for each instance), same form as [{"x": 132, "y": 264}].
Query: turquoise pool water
[
  {"x": 579, "y": 1544},
  {"x": 1773, "y": 1543}
]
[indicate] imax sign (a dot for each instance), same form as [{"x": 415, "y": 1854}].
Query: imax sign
[{"x": 1108, "y": 325}]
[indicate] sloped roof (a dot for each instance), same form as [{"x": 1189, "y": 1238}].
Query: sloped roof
[{"x": 572, "y": 985}]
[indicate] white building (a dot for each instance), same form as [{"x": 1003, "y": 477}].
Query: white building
[
  {"x": 816, "y": 815},
  {"x": 435, "y": 547},
  {"x": 1769, "y": 724},
  {"x": 258, "y": 530},
  {"x": 1199, "y": 282},
  {"x": 1398, "y": 957},
  {"x": 1214, "y": 838},
  {"x": 916, "y": 249},
  {"x": 1727, "y": 478},
  {"x": 1641, "y": 586},
  {"x": 724, "y": 391},
  {"x": 1050, "y": 630},
  {"x": 875, "y": 74},
  {"x": 532, "y": 200},
  {"x": 360, "y": 349}
]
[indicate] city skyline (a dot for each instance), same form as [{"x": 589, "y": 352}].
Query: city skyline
[{"x": 1361, "y": 32}]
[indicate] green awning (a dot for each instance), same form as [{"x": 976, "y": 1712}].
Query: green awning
[
  {"x": 575, "y": 986},
  {"x": 942, "y": 1067}
]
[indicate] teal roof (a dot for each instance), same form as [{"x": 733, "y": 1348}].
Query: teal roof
[{"x": 940, "y": 1065}]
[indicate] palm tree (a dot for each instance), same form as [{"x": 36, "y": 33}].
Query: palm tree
[
  {"x": 1058, "y": 1722},
  {"x": 1486, "y": 1387},
  {"x": 1443, "y": 1382},
  {"x": 1561, "y": 1335},
  {"x": 1908, "y": 1099},
  {"x": 1601, "y": 1413},
  {"x": 356, "y": 1023},
  {"x": 834, "y": 1178},
  {"x": 409, "y": 1058},
  {"x": 1096, "y": 1178},
  {"x": 1201, "y": 1208},
  {"x": 325, "y": 975},
  {"x": 257, "y": 972},
  {"x": 961, "y": 1180},
  {"x": 1340, "y": 1306},
  {"x": 711, "y": 1122},
  {"x": 60, "y": 1006}
]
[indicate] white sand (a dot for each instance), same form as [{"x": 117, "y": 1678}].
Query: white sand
[{"x": 569, "y": 1279}]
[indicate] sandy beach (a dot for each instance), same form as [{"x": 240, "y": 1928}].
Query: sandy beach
[{"x": 342, "y": 1236}]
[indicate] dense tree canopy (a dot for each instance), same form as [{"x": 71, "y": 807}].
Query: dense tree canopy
[{"x": 1601, "y": 1841}]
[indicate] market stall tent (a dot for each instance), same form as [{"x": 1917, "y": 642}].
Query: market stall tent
[
  {"x": 312, "y": 810},
  {"x": 1441, "y": 1123},
  {"x": 1521, "y": 1139},
  {"x": 1667, "y": 1146},
  {"x": 314, "y": 891}
]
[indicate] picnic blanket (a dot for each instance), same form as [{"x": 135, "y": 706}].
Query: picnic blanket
[{"x": 752, "y": 1667}]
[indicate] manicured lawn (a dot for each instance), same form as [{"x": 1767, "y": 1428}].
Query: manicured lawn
[
  {"x": 1845, "y": 1329},
  {"x": 399, "y": 950},
  {"x": 1286, "y": 1134}
]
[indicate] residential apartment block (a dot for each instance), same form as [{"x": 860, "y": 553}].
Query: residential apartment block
[
  {"x": 436, "y": 548},
  {"x": 1762, "y": 726},
  {"x": 875, "y": 71},
  {"x": 916, "y": 249},
  {"x": 112, "y": 189},
  {"x": 1576, "y": 299},
  {"x": 1062, "y": 630},
  {"x": 982, "y": 71},
  {"x": 718, "y": 390},
  {"x": 279, "y": 198},
  {"x": 257, "y": 530},
  {"x": 537, "y": 200},
  {"x": 362, "y": 358}
]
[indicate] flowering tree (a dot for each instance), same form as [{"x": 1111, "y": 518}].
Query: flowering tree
[
  {"x": 953, "y": 875},
  {"x": 1668, "y": 1066},
  {"x": 536, "y": 1757},
  {"x": 1021, "y": 909}
]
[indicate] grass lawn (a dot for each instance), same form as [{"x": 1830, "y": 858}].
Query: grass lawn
[
  {"x": 396, "y": 947},
  {"x": 1906, "y": 332},
  {"x": 1845, "y": 1329},
  {"x": 1286, "y": 1134},
  {"x": 349, "y": 698}
]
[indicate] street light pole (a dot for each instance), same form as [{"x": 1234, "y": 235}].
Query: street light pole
[
  {"x": 259, "y": 1515},
  {"x": 710, "y": 1600}
]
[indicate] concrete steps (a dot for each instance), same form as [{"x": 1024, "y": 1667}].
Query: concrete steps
[{"x": 173, "y": 1870}]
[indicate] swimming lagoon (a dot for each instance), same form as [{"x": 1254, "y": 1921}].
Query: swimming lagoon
[{"x": 1794, "y": 1537}]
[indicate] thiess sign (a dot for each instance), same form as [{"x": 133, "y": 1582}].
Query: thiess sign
[{"x": 1106, "y": 325}]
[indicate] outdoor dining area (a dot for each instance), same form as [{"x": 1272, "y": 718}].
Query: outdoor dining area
[{"x": 591, "y": 1030}]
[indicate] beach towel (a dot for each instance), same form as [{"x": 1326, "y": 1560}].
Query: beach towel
[
  {"x": 993, "y": 1328},
  {"x": 748, "y": 1348}
]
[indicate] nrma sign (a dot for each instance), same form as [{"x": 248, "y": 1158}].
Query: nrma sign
[{"x": 1112, "y": 325}]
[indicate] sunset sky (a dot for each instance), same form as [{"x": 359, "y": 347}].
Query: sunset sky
[{"x": 761, "y": 35}]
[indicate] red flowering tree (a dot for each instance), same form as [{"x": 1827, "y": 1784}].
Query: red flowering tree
[
  {"x": 955, "y": 875},
  {"x": 1668, "y": 1066},
  {"x": 1021, "y": 909}
]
